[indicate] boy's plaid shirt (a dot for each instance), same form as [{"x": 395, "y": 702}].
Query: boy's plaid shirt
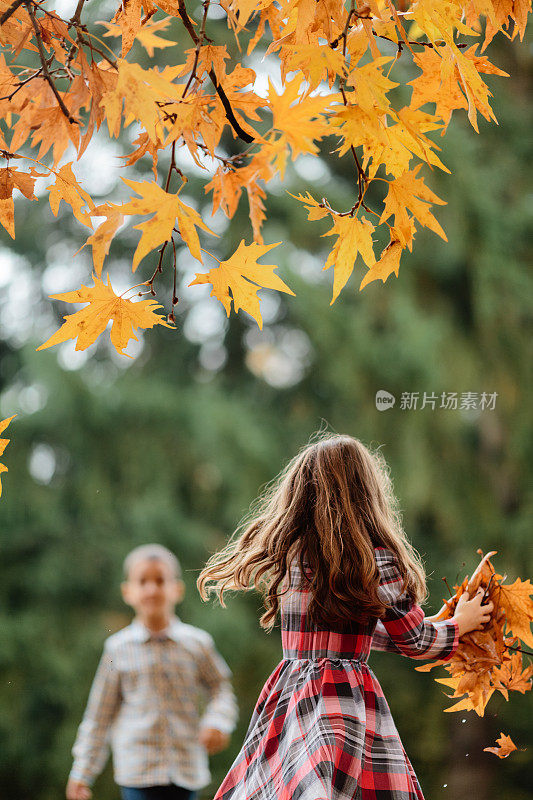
[{"x": 144, "y": 702}]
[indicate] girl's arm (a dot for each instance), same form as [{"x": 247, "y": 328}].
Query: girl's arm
[{"x": 413, "y": 634}]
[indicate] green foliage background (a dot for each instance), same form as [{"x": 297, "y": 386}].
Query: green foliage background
[{"x": 174, "y": 446}]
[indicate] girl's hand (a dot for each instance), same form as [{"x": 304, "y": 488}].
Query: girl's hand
[
  {"x": 470, "y": 614},
  {"x": 214, "y": 740},
  {"x": 77, "y": 790}
]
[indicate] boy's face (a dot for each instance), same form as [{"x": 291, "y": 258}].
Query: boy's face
[{"x": 152, "y": 589}]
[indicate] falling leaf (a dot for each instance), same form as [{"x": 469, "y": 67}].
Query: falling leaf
[
  {"x": 243, "y": 277},
  {"x": 505, "y": 746},
  {"x": 88, "y": 323}
]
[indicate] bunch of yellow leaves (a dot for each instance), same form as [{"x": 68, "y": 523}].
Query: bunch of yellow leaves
[{"x": 341, "y": 75}]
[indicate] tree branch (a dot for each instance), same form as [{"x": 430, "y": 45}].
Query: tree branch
[
  {"x": 44, "y": 64},
  {"x": 219, "y": 90},
  {"x": 11, "y": 10}
]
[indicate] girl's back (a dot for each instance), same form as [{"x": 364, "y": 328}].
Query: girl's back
[
  {"x": 322, "y": 728},
  {"x": 327, "y": 548}
]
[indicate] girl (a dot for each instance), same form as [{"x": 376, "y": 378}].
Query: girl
[{"x": 326, "y": 540}]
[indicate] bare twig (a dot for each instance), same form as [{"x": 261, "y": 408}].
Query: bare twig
[
  {"x": 219, "y": 90},
  {"x": 519, "y": 649},
  {"x": 199, "y": 43},
  {"x": 11, "y": 10},
  {"x": 76, "y": 17},
  {"x": 44, "y": 63}
]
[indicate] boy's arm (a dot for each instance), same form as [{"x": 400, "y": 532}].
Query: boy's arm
[
  {"x": 91, "y": 748},
  {"x": 215, "y": 675}
]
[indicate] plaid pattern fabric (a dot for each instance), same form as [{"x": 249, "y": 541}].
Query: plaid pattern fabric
[
  {"x": 145, "y": 702},
  {"x": 322, "y": 728}
]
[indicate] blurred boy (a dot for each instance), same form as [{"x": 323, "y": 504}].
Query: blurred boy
[{"x": 144, "y": 696}]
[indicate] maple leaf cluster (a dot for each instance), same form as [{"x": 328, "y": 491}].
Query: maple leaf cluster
[
  {"x": 491, "y": 659},
  {"x": 60, "y": 82}
]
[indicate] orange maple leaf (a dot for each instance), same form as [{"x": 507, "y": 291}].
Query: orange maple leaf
[
  {"x": 88, "y": 323},
  {"x": 505, "y": 746},
  {"x": 515, "y": 600},
  {"x": 100, "y": 240},
  {"x": 68, "y": 189},
  {"x": 3, "y": 444},
  {"x": 11, "y": 178}
]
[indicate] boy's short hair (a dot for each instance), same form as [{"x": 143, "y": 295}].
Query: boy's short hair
[{"x": 152, "y": 552}]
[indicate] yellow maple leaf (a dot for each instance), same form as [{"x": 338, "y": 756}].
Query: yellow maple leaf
[
  {"x": 354, "y": 236},
  {"x": 146, "y": 34},
  {"x": 409, "y": 193},
  {"x": 140, "y": 91},
  {"x": 207, "y": 57},
  {"x": 167, "y": 210},
  {"x": 388, "y": 263},
  {"x": 88, "y": 323},
  {"x": 315, "y": 210},
  {"x": 297, "y": 116},
  {"x": 371, "y": 86},
  {"x": 243, "y": 277},
  {"x": 316, "y": 63},
  {"x": 100, "y": 240},
  {"x": 68, "y": 189},
  {"x": 515, "y": 599},
  {"x": 3, "y": 444}
]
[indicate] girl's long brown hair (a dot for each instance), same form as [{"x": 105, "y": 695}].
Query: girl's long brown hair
[{"x": 330, "y": 506}]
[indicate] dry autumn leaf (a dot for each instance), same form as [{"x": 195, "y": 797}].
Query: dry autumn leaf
[
  {"x": 489, "y": 660},
  {"x": 3, "y": 444},
  {"x": 88, "y": 323},
  {"x": 505, "y": 746}
]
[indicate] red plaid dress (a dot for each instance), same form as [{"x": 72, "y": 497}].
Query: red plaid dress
[{"x": 321, "y": 728}]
